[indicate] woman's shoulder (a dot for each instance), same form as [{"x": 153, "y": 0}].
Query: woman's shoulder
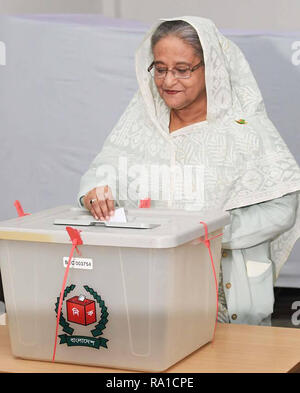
[{"x": 255, "y": 129}]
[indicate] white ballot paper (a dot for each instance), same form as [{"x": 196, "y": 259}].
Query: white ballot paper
[{"x": 119, "y": 216}]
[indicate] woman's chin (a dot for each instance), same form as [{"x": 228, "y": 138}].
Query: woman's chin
[{"x": 173, "y": 104}]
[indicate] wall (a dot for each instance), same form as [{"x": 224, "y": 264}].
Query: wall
[{"x": 233, "y": 14}]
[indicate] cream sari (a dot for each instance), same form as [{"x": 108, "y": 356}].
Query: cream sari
[{"x": 243, "y": 163}]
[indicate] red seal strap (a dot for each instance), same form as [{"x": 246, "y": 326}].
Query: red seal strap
[
  {"x": 20, "y": 210},
  {"x": 206, "y": 241},
  {"x": 145, "y": 203},
  {"x": 76, "y": 241}
]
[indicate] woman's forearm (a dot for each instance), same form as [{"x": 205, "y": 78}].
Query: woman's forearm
[{"x": 255, "y": 224}]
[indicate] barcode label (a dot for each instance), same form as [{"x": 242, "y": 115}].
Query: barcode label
[{"x": 79, "y": 263}]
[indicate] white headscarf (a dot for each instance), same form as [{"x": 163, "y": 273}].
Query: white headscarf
[{"x": 244, "y": 164}]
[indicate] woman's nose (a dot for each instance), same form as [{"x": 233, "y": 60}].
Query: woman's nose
[{"x": 169, "y": 79}]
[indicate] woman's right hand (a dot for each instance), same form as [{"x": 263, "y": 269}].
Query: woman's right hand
[{"x": 99, "y": 201}]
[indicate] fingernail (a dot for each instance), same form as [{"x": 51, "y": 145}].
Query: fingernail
[
  {"x": 107, "y": 218},
  {"x": 102, "y": 218},
  {"x": 112, "y": 212}
]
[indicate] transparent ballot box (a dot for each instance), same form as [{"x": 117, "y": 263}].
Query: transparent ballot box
[{"x": 141, "y": 296}]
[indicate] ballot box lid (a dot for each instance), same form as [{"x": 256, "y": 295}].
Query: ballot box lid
[{"x": 173, "y": 227}]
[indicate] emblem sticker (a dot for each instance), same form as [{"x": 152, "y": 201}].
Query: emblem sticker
[{"x": 83, "y": 311}]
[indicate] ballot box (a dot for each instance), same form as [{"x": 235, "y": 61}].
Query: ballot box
[{"x": 141, "y": 296}]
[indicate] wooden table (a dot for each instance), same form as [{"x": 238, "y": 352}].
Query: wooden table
[{"x": 236, "y": 348}]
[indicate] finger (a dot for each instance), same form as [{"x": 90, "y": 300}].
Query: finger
[
  {"x": 100, "y": 192},
  {"x": 110, "y": 201},
  {"x": 90, "y": 196},
  {"x": 91, "y": 207},
  {"x": 104, "y": 208},
  {"x": 95, "y": 211},
  {"x": 98, "y": 210}
]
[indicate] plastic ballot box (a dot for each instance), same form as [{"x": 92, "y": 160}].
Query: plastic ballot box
[{"x": 141, "y": 296}]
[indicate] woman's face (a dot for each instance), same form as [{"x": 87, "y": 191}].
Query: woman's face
[{"x": 172, "y": 51}]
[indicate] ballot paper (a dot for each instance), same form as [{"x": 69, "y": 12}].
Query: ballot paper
[
  {"x": 87, "y": 219},
  {"x": 119, "y": 216}
]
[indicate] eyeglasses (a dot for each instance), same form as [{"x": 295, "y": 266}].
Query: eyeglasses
[{"x": 157, "y": 71}]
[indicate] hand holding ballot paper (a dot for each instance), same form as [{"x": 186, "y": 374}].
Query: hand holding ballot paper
[
  {"x": 100, "y": 202},
  {"x": 86, "y": 220}
]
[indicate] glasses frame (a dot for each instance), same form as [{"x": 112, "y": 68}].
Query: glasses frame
[{"x": 172, "y": 70}]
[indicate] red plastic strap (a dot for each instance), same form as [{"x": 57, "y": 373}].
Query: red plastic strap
[
  {"x": 145, "y": 203},
  {"x": 206, "y": 241},
  {"x": 20, "y": 210},
  {"x": 75, "y": 237},
  {"x": 76, "y": 240}
]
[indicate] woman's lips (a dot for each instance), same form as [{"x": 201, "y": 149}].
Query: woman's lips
[{"x": 171, "y": 91}]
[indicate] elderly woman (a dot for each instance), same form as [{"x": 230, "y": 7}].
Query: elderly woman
[{"x": 198, "y": 105}]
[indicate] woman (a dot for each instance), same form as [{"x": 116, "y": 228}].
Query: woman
[{"x": 198, "y": 105}]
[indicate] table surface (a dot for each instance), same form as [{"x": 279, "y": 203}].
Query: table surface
[{"x": 236, "y": 348}]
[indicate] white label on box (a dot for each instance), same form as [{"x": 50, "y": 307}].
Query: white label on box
[{"x": 79, "y": 263}]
